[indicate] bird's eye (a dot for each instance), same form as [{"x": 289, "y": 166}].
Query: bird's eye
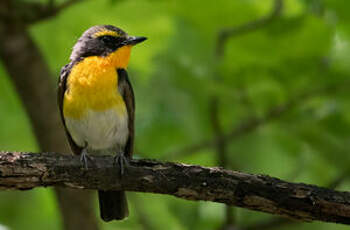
[{"x": 107, "y": 39}]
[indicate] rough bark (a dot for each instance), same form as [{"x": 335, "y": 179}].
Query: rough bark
[{"x": 257, "y": 192}]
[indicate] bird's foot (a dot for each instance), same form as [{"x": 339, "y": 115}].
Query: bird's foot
[
  {"x": 122, "y": 161},
  {"x": 84, "y": 157}
]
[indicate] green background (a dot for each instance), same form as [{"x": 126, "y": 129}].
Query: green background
[{"x": 176, "y": 73}]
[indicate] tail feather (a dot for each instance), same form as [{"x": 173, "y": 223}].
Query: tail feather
[{"x": 113, "y": 205}]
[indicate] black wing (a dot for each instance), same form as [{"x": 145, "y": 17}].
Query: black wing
[
  {"x": 126, "y": 91},
  {"x": 62, "y": 81}
]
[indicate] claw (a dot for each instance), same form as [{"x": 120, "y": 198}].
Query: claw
[
  {"x": 84, "y": 158},
  {"x": 122, "y": 161}
]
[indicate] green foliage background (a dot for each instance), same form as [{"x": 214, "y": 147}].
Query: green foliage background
[{"x": 176, "y": 72}]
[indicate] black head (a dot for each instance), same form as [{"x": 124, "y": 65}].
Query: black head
[{"x": 102, "y": 40}]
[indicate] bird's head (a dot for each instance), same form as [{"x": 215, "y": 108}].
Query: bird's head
[{"x": 108, "y": 42}]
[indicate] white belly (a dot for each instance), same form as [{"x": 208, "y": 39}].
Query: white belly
[{"x": 99, "y": 130}]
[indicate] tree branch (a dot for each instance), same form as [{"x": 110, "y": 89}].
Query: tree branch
[
  {"x": 279, "y": 221},
  {"x": 31, "y": 12},
  {"x": 230, "y": 32},
  {"x": 45, "y": 11},
  {"x": 253, "y": 123},
  {"x": 221, "y": 151},
  {"x": 220, "y": 142},
  {"x": 256, "y": 192}
]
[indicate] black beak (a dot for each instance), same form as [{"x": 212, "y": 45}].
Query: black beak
[{"x": 131, "y": 40}]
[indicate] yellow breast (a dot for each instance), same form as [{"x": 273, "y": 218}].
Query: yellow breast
[{"x": 92, "y": 84}]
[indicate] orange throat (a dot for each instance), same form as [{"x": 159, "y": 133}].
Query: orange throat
[
  {"x": 93, "y": 84},
  {"x": 118, "y": 59}
]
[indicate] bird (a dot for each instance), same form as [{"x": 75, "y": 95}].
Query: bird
[{"x": 97, "y": 105}]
